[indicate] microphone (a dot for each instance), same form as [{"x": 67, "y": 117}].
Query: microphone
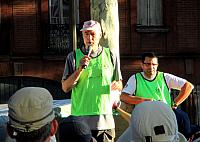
[{"x": 89, "y": 52}]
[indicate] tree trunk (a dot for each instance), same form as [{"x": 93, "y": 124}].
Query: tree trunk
[{"x": 106, "y": 13}]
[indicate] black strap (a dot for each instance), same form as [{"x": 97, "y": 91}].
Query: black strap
[{"x": 30, "y": 122}]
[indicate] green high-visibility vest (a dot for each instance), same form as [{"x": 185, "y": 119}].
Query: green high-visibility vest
[
  {"x": 91, "y": 95},
  {"x": 156, "y": 89}
]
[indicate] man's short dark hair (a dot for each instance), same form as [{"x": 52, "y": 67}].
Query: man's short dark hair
[
  {"x": 148, "y": 54},
  {"x": 39, "y": 135},
  {"x": 73, "y": 128}
]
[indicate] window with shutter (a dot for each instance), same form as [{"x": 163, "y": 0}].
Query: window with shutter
[
  {"x": 150, "y": 16},
  {"x": 149, "y": 13}
]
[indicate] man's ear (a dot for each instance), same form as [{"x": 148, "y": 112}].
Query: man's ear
[
  {"x": 141, "y": 65},
  {"x": 10, "y": 131},
  {"x": 100, "y": 35},
  {"x": 54, "y": 127}
]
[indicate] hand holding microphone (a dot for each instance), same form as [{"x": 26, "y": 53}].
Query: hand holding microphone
[{"x": 89, "y": 49}]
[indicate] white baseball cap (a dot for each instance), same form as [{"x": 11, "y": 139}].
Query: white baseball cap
[{"x": 91, "y": 25}]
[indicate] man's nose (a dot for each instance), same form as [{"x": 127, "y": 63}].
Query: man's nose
[
  {"x": 90, "y": 37},
  {"x": 152, "y": 66}
]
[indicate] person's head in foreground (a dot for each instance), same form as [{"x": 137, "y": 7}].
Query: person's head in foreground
[
  {"x": 73, "y": 129},
  {"x": 31, "y": 115},
  {"x": 152, "y": 121}
]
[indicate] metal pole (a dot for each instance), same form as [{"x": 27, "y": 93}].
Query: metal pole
[{"x": 74, "y": 15}]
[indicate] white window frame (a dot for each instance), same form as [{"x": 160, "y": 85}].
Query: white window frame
[
  {"x": 63, "y": 15},
  {"x": 57, "y": 10}
]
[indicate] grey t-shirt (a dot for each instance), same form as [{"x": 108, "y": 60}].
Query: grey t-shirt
[{"x": 95, "y": 122}]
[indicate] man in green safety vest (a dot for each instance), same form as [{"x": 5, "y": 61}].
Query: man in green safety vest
[
  {"x": 151, "y": 84},
  {"x": 92, "y": 72}
]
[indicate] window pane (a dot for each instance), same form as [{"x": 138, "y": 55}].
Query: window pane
[
  {"x": 142, "y": 12},
  {"x": 149, "y": 13},
  {"x": 59, "y": 28},
  {"x": 54, "y": 11},
  {"x": 155, "y": 13},
  {"x": 66, "y": 12}
]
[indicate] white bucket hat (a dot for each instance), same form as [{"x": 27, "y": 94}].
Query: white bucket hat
[{"x": 152, "y": 121}]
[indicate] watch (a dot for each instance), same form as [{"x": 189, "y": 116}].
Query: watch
[{"x": 174, "y": 104}]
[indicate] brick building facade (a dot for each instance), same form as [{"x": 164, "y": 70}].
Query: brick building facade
[{"x": 25, "y": 37}]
